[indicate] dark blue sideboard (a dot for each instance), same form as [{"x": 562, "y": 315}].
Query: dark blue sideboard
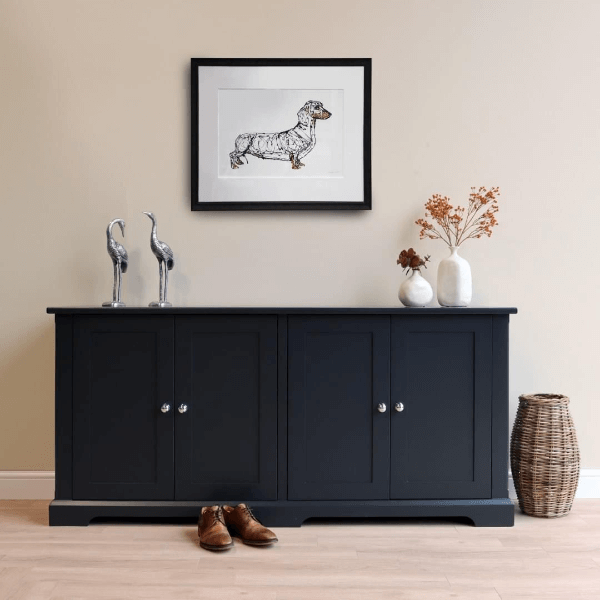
[{"x": 301, "y": 412}]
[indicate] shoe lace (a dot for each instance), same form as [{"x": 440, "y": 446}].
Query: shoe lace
[
  {"x": 218, "y": 516},
  {"x": 249, "y": 512}
]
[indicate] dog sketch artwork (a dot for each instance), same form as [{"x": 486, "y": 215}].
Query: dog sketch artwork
[
  {"x": 280, "y": 133},
  {"x": 291, "y": 145}
]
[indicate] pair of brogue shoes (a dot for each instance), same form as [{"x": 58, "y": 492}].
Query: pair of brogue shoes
[{"x": 216, "y": 523}]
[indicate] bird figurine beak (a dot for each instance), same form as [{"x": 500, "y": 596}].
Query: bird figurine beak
[{"x": 122, "y": 226}]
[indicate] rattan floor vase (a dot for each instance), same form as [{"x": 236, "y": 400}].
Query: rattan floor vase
[{"x": 544, "y": 455}]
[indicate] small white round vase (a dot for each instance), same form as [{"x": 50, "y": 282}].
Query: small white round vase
[
  {"x": 454, "y": 283},
  {"x": 415, "y": 290}
]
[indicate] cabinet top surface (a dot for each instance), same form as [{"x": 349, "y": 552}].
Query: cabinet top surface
[{"x": 330, "y": 310}]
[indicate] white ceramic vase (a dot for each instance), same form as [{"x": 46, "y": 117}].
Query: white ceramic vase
[
  {"x": 415, "y": 290},
  {"x": 454, "y": 284}
]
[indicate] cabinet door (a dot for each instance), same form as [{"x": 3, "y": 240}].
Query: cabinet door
[
  {"x": 338, "y": 442},
  {"x": 122, "y": 442},
  {"x": 226, "y": 375},
  {"x": 442, "y": 375}
]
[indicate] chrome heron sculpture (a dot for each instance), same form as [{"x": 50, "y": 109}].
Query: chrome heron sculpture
[
  {"x": 118, "y": 255},
  {"x": 166, "y": 262}
]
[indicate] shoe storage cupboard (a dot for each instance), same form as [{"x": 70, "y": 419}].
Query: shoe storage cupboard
[{"x": 299, "y": 412}]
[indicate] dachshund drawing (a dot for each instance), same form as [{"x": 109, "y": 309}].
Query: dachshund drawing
[{"x": 291, "y": 145}]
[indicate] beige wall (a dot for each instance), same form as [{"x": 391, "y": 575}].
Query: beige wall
[{"x": 94, "y": 124}]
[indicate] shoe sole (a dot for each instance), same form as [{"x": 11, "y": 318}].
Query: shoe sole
[
  {"x": 216, "y": 548},
  {"x": 259, "y": 543}
]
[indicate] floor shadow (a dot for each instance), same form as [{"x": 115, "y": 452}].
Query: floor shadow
[
  {"x": 191, "y": 535},
  {"x": 399, "y": 521},
  {"x": 143, "y": 521},
  {"x": 28, "y": 511},
  {"x": 38, "y": 518}
]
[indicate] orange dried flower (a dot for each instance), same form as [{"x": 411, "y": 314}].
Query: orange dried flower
[{"x": 452, "y": 225}]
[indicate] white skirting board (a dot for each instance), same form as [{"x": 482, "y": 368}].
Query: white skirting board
[
  {"x": 26, "y": 485},
  {"x": 39, "y": 485}
]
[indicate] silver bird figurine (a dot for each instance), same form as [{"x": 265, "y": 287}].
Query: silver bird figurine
[
  {"x": 118, "y": 255},
  {"x": 166, "y": 262}
]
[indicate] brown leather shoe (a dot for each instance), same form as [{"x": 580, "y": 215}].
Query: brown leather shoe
[
  {"x": 212, "y": 529},
  {"x": 242, "y": 522}
]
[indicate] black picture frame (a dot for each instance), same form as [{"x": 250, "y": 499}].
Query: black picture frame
[{"x": 197, "y": 204}]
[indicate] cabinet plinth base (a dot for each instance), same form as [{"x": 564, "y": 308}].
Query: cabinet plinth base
[{"x": 494, "y": 512}]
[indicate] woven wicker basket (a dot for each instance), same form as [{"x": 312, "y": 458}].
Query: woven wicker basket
[{"x": 544, "y": 455}]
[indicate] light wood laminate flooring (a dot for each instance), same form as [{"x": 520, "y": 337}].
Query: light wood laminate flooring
[{"x": 553, "y": 559}]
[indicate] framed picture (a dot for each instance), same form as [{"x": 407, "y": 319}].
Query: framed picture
[{"x": 281, "y": 134}]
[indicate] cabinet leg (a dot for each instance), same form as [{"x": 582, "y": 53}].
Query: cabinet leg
[
  {"x": 69, "y": 516},
  {"x": 280, "y": 517},
  {"x": 492, "y": 516}
]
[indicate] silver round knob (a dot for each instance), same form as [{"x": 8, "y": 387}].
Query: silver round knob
[
  {"x": 399, "y": 406},
  {"x": 182, "y": 408},
  {"x": 165, "y": 408},
  {"x": 381, "y": 407}
]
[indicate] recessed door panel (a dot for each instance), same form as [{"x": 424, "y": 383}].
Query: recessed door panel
[
  {"x": 441, "y": 380},
  {"x": 338, "y": 444},
  {"x": 122, "y": 441},
  {"x": 226, "y": 440}
]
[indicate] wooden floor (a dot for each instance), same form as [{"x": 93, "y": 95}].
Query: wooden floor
[{"x": 555, "y": 559}]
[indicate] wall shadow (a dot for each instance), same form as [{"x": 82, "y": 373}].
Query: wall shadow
[{"x": 27, "y": 393}]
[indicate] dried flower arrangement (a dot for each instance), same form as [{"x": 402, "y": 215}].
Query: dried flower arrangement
[
  {"x": 453, "y": 227},
  {"x": 410, "y": 260}
]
